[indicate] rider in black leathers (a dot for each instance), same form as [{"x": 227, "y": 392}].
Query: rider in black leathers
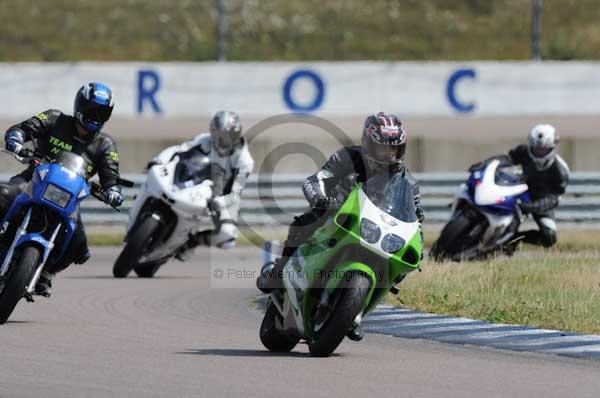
[
  {"x": 547, "y": 176},
  {"x": 52, "y": 132},
  {"x": 382, "y": 151}
]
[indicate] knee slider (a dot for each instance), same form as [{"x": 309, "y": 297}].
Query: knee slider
[
  {"x": 226, "y": 236},
  {"x": 549, "y": 237}
]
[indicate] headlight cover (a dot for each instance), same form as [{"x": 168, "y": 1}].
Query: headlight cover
[
  {"x": 56, "y": 195},
  {"x": 391, "y": 243},
  {"x": 369, "y": 231}
]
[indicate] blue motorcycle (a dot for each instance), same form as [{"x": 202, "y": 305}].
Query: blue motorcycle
[
  {"x": 40, "y": 223},
  {"x": 485, "y": 213}
]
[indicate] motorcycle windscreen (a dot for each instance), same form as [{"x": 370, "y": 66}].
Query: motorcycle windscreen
[
  {"x": 193, "y": 168},
  {"x": 509, "y": 174},
  {"x": 72, "y": 162},
  {"x": 394, "y": 195}
]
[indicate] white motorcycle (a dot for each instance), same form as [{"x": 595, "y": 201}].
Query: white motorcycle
[
  {"x": 485, "y": 213},
  {"x": 173, "y": 204}
]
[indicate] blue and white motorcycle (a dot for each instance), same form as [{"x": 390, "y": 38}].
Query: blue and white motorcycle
[
  {"x": 485, "y": 213},
  {"x": 40, "y": 223}
]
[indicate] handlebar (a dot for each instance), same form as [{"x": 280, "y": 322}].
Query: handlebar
[
  {"x": 97, "y": 192},
  {"x": 26, "y": 156},
  {"x": 29, "y": 157}
]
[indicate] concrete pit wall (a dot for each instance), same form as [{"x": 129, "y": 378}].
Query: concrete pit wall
[{"x": 435, "y": 144}]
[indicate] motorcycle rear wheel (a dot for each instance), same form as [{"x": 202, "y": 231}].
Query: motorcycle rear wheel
[
  {"x": 136, "y": 243},
  {"x": 20, "y": 275},
  {"x": 272, "y": 338}
]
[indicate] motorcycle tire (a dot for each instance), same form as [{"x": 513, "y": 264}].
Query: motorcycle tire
[
  {"x": 147, "y": 270},
  {"x": 351, "y": 302},
  {"x": 136, "y": 243},
  {"x": 272, "y": 338},
  {"x": 19, "y": 276},
  {"x": 445, "y": 245}
]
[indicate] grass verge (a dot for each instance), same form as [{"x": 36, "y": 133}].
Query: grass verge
[
  {"x": 105, "y": 238},
  {"x": 555, "y": 289}
]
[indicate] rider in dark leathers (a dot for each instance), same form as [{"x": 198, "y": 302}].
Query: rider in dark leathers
[
  {"x": 381, "y": 152},
  {"x": 547, "y": 176},
  {"x": 53, "y": 132}
]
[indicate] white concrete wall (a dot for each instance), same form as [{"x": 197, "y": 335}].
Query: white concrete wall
[{"x": 412, "y": 89}]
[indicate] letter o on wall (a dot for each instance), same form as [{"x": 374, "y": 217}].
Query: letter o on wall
[
  {"x": 288, "y": 86},
  {"x": 455, "y": 78}
]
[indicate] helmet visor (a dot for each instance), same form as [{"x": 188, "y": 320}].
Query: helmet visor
[
  {"x": 92, "y": 111},
  {"x": 97, "y": 114},
  {"x": 540, "y": 151},
  {"x": 385, "y": 153},
  {"x": 224, "y": 141}
]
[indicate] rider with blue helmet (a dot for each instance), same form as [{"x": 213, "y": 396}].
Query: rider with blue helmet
[{"x": 52, "y": 132}]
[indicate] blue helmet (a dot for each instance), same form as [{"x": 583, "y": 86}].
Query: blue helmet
[{"x": 93, "y": 106}]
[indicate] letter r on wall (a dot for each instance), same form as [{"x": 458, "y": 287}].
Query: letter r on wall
[{"x": 148, "y": 87}]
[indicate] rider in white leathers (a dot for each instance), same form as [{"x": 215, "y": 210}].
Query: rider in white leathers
[{"x": 231, "y": 164}]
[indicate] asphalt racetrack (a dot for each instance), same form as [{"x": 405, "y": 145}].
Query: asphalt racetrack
[{"x": 184, "y": 333}]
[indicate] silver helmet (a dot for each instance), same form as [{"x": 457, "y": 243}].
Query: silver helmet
[
  {"x": 225, "y": 131},
  {"x": 541, "y": 144}
]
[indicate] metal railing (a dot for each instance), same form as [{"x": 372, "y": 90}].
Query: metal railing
[{"x": 275, "y": 199}]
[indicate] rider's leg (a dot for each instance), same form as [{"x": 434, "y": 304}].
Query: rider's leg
[
  {"x": 301, "y": 228},
  {"x": 546, "y": 235},
  {"x": 8, "y": 192},
  {"x": 223, "y": 236},
  {"x": 77, "y": 252}
]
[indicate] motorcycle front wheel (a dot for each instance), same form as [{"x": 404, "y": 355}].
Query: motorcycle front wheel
[
  {"x": 350, "y": 303},
  {"x": 19, "y": 276},
  {"x": 137, "y": 242},
  {"x": 147, "y": 270},
  {"x": 452, "y": 237}
]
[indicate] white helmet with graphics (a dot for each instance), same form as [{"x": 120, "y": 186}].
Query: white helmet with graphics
[{"x": 541, "y": 143}]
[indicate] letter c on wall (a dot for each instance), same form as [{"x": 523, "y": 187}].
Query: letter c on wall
[{"x": 462, "y": 107}]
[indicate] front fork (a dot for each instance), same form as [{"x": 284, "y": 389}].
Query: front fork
[
  {"x": 21, "y": 231},
  {"x": 36, "y": 276}
]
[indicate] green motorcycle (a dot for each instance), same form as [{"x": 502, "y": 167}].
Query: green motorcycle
[{"x": 345, "y": 268}]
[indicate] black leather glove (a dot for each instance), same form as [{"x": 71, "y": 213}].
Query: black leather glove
[
  {"x": 114, "y": 197},
  {"x": 327, "y": 203}
]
